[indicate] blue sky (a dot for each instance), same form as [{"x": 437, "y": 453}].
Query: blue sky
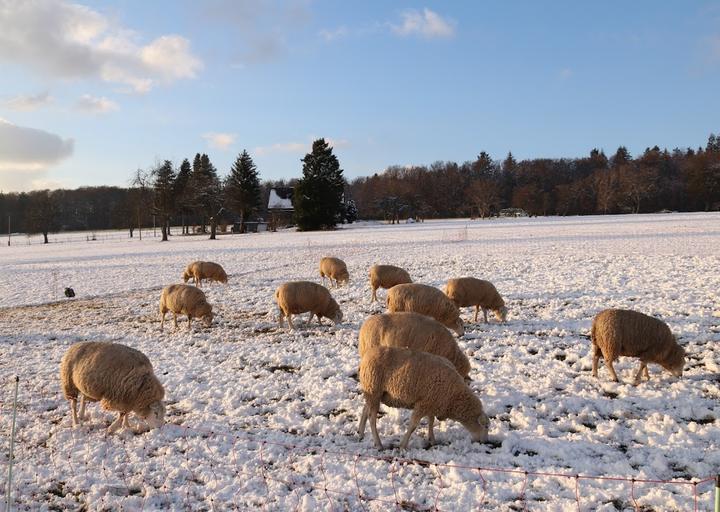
[{"x": 91, "y": 91}]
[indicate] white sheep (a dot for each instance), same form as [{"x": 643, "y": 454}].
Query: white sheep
[
  {"x": 426, "y": 300},
  {"x": 622, "y": 332},
  {"x": 413, "y": 331},
  {"x": 334, "y": 268},
  {"x": 386, "y": 276},
  {"x": 297, "y": 297},
  {"x": 119, "y": 377},
  {"x": 469, "y": 291},
  {"x": 183, "y": 299},
  {"x": 199, "y": 270},
  {"x": 426, "y": 383}
]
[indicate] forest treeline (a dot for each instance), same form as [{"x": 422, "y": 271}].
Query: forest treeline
[{"x": 194, "y": 194}]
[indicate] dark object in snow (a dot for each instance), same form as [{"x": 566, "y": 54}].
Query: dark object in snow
[{"x": 69, "y": 292}]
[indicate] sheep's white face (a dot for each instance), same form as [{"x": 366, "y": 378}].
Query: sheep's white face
[
  {"x": 156, "y": 416},
  {"x": 501, "y": 314},
  {"x": 479, "y": 431}
]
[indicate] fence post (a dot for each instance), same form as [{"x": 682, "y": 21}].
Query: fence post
[
  {"x": 12, "y": 448},
  {"x": 717, "y": 493}
]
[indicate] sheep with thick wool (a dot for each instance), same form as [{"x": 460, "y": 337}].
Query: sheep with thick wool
[
  {"x": 425, "y": 383},
  {"x": 426, "y": 300},
  {"x": 413, "y": 331},
  {"x": 119, "y": 377},
  {"x": 469, "y": 291},
  {"x": 386, "y": 276},
  {"x": 199, "y": 270},
  {"x": 183, "y": 299},
  {"x": 622, "y": 332},
  {"x": 334, "y": 268},
  {"x": 297, "y": 297}
]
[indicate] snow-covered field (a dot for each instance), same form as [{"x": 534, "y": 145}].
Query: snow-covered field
[{"x": 263, "y": 417}]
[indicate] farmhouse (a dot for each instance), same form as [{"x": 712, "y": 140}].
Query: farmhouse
[{"x": 280, "y": 207}]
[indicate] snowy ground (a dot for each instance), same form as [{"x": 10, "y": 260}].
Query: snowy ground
[{"x": 261, "y": 417}]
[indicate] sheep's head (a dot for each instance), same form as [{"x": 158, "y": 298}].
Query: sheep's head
[
  {"x": 478, "y": 428},
  {"x": 458, "y": 327},
  {"x": 343, "y": 276},
  {"x": 338, "y": 317},
  {"x": 186, "y": 276},
  {"x": 675, "y": 362},
  {"x": 208, "y": 318},
  {"x": 501, "y": 314},
  {"x": 154, "y": 416}
]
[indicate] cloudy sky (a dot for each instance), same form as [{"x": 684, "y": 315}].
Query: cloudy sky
[{"x": 91, "y": 91}]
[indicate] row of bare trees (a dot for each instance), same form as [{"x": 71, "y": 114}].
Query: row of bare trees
[{"x": 684, "y": 180}]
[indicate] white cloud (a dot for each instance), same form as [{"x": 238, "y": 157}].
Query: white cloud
[
  {"x": 298, "y": 147},
  {"x": 93, "y": 105},
  {"x": 282, "y": 147},
  {"x": 427, "y": 23},
  {"x": 566, "y": 73},
  {"x": 28, "y": 102},
  {"x": 331, "y": 35},
  {"x": 27, "y": 153},
  {"x": 67, "y": 40},
  {"x": 220, "y": 140}
]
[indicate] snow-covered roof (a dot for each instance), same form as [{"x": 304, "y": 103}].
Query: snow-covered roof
[{"x": 280, "y": 199}]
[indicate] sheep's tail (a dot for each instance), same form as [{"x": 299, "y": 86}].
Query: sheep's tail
[{"x": 592, "y": 334}]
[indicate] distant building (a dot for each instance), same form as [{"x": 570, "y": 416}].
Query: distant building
[{"x": 280, "y": 207}]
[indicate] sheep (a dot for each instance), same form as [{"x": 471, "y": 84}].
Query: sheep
[
  {"x": 199, "y": 270},
  {"x": 414, "y": 331},
  {"x": 119, "y": 377},
  {"x": 297, "y": 297},
  {"x": 186, "y": 300},
  {"x": 334, "y": 268},
  {"x": 622, "y": 332},
  {"x": 426, "y": 300},
  {"x": 386, "y": 276},
  {"x": 469, "y": 291},
  {"x": 425, "y": 383}
]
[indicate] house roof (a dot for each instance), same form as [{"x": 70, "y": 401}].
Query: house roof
[{"x": 280, "y": 198}]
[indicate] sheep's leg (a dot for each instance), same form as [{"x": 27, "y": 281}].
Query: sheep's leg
[
  {"x": 374, "y": 295},
  {"x": 310, "y": 318},
  {"x": 485, "y": 314},
  {"x": 281, "y": 316},
  {"x": 73, "y": 411},
  {"x": 372, "y": 413},
  {"x": 638, "y": 375},
  {"x": 162, "y": 319},
  {"x": 596, "y": 358},
  {"x": 647, "y": 373},
  {"x": 319, "y": 319},
  {"x": 82, "y": 416},
  {"x": 431, "y": 432},
  {"x": 289, "y": 319},
  {"x": 116, "y": 424},
  {"x": 189, "y": 322},
  {"x": 415, "y": 418},
  {"x": 363, "y": 421},
  {"x": 175, "y": 320},
  {"x": 126, "y": 422},
  {"x": 609, "y": 364},
  {"x": 477, "y": 310}
]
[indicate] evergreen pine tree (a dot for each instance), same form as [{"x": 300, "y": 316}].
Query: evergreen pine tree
[
  {"x": 206, "y": 188},
  {"x": 351, "y": 211},
  {"x": 242, "y": 188},
  {"x": 163, "y": 185},
  {"x": 318, "y": 197},
  {"x": 181, "y": 191}
]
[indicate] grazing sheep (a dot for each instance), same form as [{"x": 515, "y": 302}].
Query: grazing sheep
[
  {"x": 386, "y": 276},
  {"x": 622, "y": 332},
  {"x": 199, "y": 270},
  {"x": 413, "y": 331},
  {"x": 119, "y": 377},
  {"x": 426, "y": 383},
  {"x": 187, "y": 300},
  {"x": 334, "y": 268},
  {"x": 298, "y": 297},
  {"x": 469, "y": 291},
  {"x": 426, "y": 300}
]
